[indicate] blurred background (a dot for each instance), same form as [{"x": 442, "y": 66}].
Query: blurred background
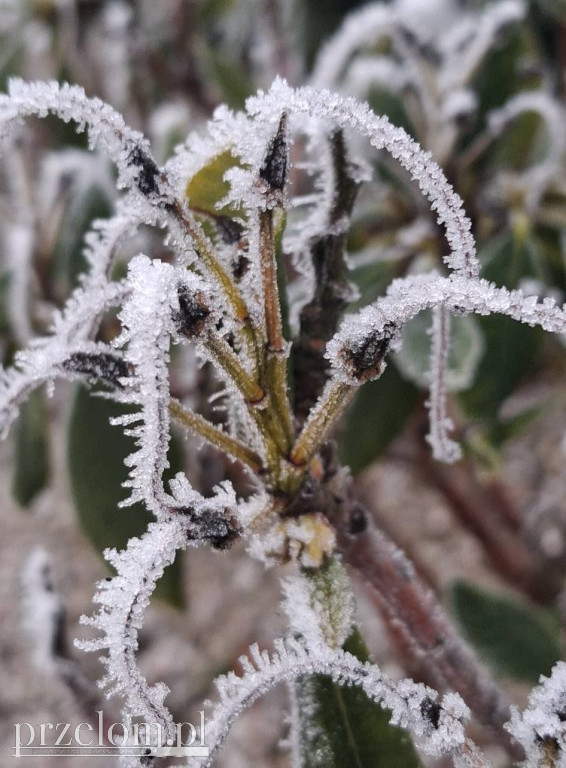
[{"x": 479, "y": 84}]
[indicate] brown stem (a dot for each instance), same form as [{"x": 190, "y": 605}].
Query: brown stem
[
  {"x": 486, "y": 513},
  {"x": 273, "y": 324},
  {"x": 417, "y": 621}
]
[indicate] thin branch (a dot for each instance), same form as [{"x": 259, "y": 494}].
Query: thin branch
[
  {"x": 215, "y": 436},
  {"x": 417, "y": 619}
]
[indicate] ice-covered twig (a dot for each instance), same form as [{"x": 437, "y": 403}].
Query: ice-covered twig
[
  {"x": 443, "y": 448},
  {"x": 437, "y": 725},
  {"x": 536, "y": 178},
  {"x": 357, "y": 346},
  {"x": 124, "y": 599},
  {"x": 541, "y": 728}
]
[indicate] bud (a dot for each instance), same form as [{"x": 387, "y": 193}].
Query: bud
[
  {"x": 364, "y": 361},
  {"x": 274, "y": 168},
  {"x": 193, "y": 313},
  {"x": 230, "y": 231},
  {"x": 148, "y": 171}
]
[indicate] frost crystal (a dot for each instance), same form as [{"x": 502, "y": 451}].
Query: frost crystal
[
  {"x": 225, "y": 310},
  {"x": 437, "y": 725},
  {"x": 541, "y": 728}
]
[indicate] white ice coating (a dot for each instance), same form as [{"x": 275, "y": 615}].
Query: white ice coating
[{"x": 291, "y": 659}]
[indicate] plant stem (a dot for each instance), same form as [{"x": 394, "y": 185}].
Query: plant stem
[
  {"x": 214, "y": 436},
  {"x": 332, "y": 403},
  {"x": 205, "y": 251},
  {"x": 227, "y": 359},
  {"x": 417, "y": 621},
  {"x": 275, "y": 367}
]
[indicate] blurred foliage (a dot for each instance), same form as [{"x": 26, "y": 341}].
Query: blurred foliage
[
  {"x": 516, "y": 640},
  {"x": 96, "y": 452},
  {"x": 31, "y": 449}
]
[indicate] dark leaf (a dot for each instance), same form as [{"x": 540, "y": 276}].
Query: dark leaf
[
  {"x": 31, "y": 449},
  {"x": 96, "y": 452},
  {"x": 339, "y": 727},
  {"x": 378, "y": 414},
  {"x": 511, "y": 348},
  {"x": 510, "y": 636}
]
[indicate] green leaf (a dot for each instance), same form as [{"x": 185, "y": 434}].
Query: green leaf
[
  {"x": 207, "y": 187},
  {"x": 384, "y": 102},
  {"x": 466, "y": 349},
  {"x": 339, "y": 727},
  {"x": 229, "y": 75},
  {"x": 514, "y": 639},
  {"x": 372, "y": 280},
  {"x": 31, "y": 449},
  {"x": 95, "y": 453},
  {"x": 67, "y": 261},
  {"x": 510, "y": 347},
  {"x": 378, "y": 414}
]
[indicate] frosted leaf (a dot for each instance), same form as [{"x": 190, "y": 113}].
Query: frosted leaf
[
  {"x": 157, "y": 297},
  {"x": 436, "y": 724},
  {"x": 105, "y": 126},
  {"x": 407, "y": 297},
  {"x": 319, "y": 605},
  {"x": 359, "y": 28},
  {"x": 348, "y": 113},
  {"x": 470, "y": 41},
  {"x": 536, "y": 178},
  {"x": 541, "y": 727},
  {"x": 45, "y": 359},
  {"x": 123, "y": 601}
]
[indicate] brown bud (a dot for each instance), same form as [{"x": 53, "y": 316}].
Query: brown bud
[{"x": 193, "y": 313}]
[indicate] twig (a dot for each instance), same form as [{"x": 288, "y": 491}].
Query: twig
[{"x": 417, "y": 620}]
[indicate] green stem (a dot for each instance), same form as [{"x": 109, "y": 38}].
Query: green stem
[
  {"x": 275, "y": 366},
  {"x": 324, "y": 416},
  {"x": 216, "y": 437},
  {"x": 227, "y": 359}
]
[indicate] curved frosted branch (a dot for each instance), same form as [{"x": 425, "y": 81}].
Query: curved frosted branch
[{"x": 410, "y": 703}]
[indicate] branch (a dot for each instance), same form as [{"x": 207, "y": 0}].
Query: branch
[
  {"x": 417, "y": 619},
  {"x": 442, "y": 733}
]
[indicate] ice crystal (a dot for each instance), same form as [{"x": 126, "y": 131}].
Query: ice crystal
[
  {"x": 410, "y": 703},
  {"x": 161, "y": 303},
  {"x": 541, "y": 728}
]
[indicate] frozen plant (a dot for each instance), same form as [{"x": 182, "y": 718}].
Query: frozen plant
[{"x": 283, "y": 181}]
